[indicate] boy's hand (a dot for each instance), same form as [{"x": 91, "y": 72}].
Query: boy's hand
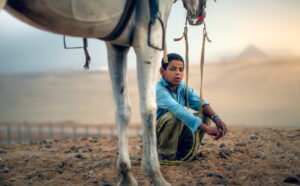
[
  {"x": 221, "y": 126},
  {"x": 212, "y": 131}
]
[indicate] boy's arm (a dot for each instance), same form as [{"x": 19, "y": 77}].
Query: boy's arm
[
  {"x": 165, "y": 101},
  {"x": 207, "y": 110},
  {"x": 194, "y": 100}
]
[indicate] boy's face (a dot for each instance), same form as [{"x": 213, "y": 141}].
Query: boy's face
[{"x": 174, "y": 72}]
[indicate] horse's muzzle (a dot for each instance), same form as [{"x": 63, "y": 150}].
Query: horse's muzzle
[{"x": 196, "y": 20}]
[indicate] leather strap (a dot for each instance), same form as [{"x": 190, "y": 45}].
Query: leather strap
[{"x": 118, "y": 30}]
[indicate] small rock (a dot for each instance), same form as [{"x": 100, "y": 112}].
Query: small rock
[
  {"x": 239, "y": 150},
  {"x": 292, "y": 135},
  {"x": 223, "y": 181},
  {"x": 218, "y": 175},
  {"x": 61, "y": 165},
  {"x": 86, "y": 177},
  {"x": 278, "y": 144},
  {"x": 72, "y": 155},
  {"x": 222, "y": 155},
  {"x": 253, "y": 137},
  {"x": 264, "y": 172},
  {"x": 260, "y": 155},
  {"x": 48, "y": 146},
  {"x": 93, "y": 141},
  {"x": 106, "y": 184},
  {"x": 291, "y": 180},
  {"x": 78, "y": 156},
  {"x": 222, "y": 145},
  {"x": 73, "y": 148},
  {"x": 29, "y": 177},
  {"x": 226, "y": 152},
  {"x": 242, "y": 178},
  {"x": 103, "y": 164},
  {"x": 67, "y": 151},
  {"x": 241, "y": 144},
  {"x": 213, "y": 174},
  {"x": 95, "y": 181},
  {"x": 209, "y": 175},
  {"x": 81, "y": 163},
  {"x": 256, "y": 133},
  {"x": 5, "y": 170},
  {"x": 3, "y": 152}
]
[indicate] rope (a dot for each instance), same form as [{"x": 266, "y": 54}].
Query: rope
[
  {"x": 185, "y": 36},
  {"x": 165, "y": 48},
  {"x": 205, "y": 37}
]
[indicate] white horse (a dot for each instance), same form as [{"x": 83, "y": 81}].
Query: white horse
[{"x": 96, "y": 19}]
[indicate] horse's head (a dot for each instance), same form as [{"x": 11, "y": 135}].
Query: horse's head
[{"x": 195, "y": 11}]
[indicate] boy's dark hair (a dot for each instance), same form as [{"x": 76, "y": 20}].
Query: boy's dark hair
[{"x": 171, "y": 56}]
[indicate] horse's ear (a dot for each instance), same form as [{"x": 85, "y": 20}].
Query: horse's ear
[{"x": 215, "y": 1}]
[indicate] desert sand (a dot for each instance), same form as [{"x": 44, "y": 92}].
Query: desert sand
[
  {"x": 254, "y": 92},
  {"x": 246, "y": 156}
]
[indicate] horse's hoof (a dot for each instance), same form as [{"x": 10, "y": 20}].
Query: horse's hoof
[
  {"x": 127, "y": 180},
  {"x": 160, "y": 181}
]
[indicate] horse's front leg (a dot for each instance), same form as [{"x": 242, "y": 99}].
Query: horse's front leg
[
  {"x": 147, "y": 68},
  {"x": 2, "y": 4},
  {"x": 117, "y": 62}
]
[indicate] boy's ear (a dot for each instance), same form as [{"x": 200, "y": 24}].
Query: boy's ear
[{"x": 162, "y": 70}]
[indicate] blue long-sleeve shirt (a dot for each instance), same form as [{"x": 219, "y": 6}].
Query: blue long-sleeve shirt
[{"x": 167, "y": 100}]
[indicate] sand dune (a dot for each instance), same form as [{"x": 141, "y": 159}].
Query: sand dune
[{"x": 245, "y": 92}]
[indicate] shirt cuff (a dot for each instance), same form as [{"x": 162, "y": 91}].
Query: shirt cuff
[{"x": 196, "y": 125}]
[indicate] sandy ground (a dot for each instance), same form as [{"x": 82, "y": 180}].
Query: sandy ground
[{"x": 246, "y": 156}]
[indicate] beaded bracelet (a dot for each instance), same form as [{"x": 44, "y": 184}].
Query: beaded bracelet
[{"x": 215, "y": 117}]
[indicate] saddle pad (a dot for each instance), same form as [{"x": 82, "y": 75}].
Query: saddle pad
[{"x": 87, "y": 10}]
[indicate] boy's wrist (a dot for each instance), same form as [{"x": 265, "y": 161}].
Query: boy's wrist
[{"x": 203, "y": 127}]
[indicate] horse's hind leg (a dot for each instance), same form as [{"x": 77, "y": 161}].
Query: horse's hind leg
[
  {"x": 147, "y": 69},
  {"x": 117, "y": 58},
  {"x": 2, "y": 4}
]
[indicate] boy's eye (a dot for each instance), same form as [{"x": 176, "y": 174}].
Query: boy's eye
[
  {"x": 172, "y": 68},
  {"x": 181, "y": 69}
]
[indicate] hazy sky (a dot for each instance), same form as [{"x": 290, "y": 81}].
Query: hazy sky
[{"x": 271, "y": 25}]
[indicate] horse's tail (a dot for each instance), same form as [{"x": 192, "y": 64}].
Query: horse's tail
[{"x": 2, "y": 4}]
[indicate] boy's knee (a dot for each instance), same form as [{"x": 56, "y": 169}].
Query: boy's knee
[{"x": 169, "y": 117}]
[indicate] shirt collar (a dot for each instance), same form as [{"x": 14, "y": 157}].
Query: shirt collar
[{"x": 166, "y": 84}]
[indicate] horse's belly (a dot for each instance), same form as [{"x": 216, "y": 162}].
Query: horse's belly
[{"x": 83, "y": 18}]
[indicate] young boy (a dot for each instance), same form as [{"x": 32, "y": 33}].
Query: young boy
[{"x": 173, "y": 141}]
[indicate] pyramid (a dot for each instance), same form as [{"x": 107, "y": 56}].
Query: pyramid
[{"x": 250, "y": 52}]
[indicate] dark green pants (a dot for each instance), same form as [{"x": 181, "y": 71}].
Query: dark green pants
[{"x": 174, "y": 139}]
